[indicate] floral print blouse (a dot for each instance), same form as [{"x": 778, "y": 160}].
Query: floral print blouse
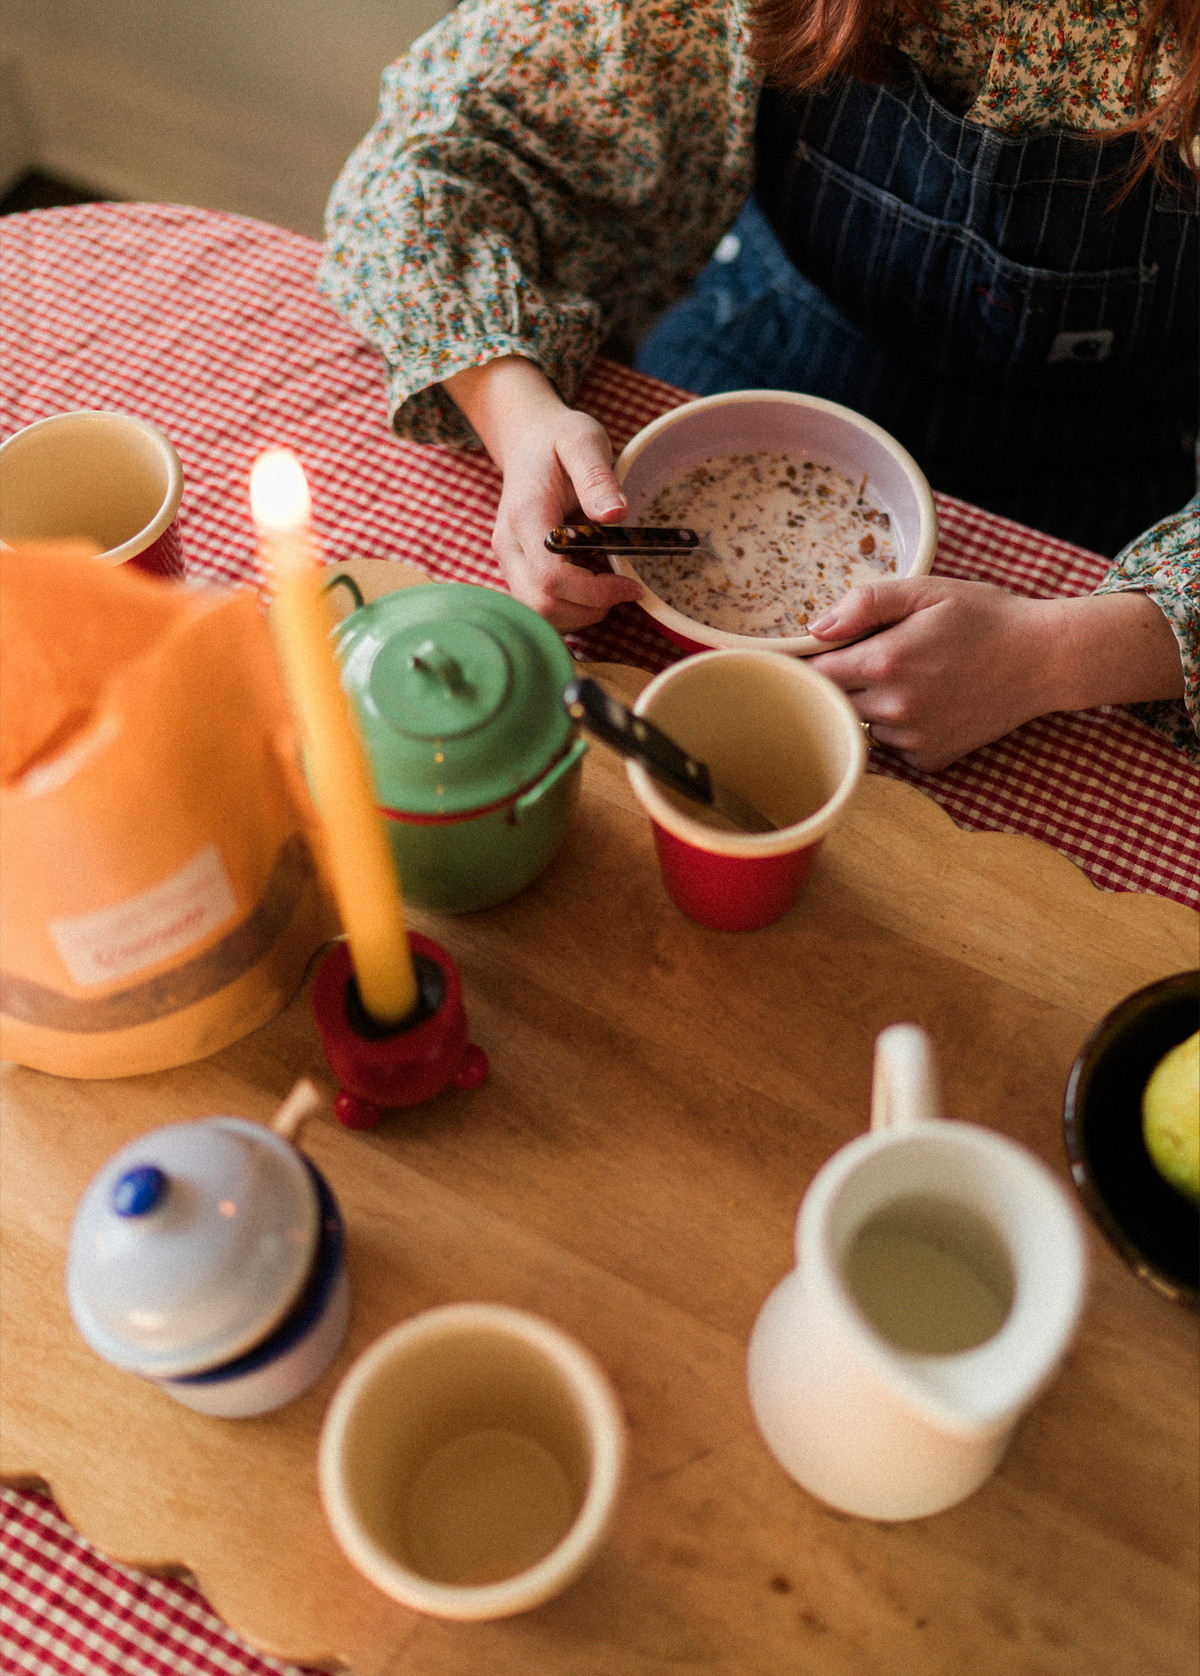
[
  {"x": 547, "y": 174},
  {"x": 1021, "y": 64},
  {"x": 1165, "y": 563}
]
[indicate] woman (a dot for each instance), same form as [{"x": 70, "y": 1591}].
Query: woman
[{"x": 928, "y": 227}]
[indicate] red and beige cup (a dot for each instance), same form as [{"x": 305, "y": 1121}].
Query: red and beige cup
[
  {"x": 786, "y": 740},
  {"x": 107, "y": 478}
]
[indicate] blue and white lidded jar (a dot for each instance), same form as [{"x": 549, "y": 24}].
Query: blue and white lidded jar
[{"x": 209, "y": 1257}]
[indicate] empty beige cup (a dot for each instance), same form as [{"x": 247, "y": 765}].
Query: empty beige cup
[
  {"x": 470, "y": 1461},
  {"x": 105, "y": 477}
]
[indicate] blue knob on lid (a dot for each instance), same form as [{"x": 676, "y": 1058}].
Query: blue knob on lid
[{"x": 139, "y": 1190}]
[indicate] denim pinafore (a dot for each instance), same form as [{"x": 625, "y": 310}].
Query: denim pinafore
[{"x": 1033, "y": 343}]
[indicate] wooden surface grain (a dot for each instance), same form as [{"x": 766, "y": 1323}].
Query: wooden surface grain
[{"x": 659, "y": 1097}]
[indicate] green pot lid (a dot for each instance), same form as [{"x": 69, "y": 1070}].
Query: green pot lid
[{"x": 458, "y": 690}]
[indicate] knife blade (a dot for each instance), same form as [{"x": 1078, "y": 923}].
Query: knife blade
[{"x": 633, "y": 736}]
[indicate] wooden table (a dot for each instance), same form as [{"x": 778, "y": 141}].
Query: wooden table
[{"x": 659, "y": 1097}]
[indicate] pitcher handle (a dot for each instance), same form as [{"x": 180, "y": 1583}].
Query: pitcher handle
[{"x": 905, "y": 1088}]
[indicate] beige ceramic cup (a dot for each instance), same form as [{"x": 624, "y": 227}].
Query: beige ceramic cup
[
  {"x": 470, "y": 1461},
  {"x": 104, "y": 477}
]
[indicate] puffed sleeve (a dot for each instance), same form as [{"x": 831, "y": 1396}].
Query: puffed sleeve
[
  {"x": 1165, "y": 563},
  {"x": 543, "y": 176}
]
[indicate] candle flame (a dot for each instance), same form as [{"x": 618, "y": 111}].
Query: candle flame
[{"x": 279, "y": 498}]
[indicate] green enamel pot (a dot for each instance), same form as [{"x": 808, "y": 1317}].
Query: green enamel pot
[{"x": 458, "y": 692}]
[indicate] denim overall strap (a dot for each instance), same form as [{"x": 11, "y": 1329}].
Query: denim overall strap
[{"x": 1033, "y": 342}]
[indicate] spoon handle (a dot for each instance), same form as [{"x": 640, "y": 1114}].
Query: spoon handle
[{"x": 620, "y": 538}]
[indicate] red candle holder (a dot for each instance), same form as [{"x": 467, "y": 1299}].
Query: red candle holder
[{"x": 380, "y": 1067}]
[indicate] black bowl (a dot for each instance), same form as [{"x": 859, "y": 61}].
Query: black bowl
[{"x": 1155, "y": 1229}]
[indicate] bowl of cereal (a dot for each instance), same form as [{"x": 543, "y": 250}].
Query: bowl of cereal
[{"x": 795, "y": 499}]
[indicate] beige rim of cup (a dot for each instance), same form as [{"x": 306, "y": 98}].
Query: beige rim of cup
[
  {"x": 798, "y": 836},
  {"x": 601, "y": 1418},
  {"x": 42, "y": 429}
]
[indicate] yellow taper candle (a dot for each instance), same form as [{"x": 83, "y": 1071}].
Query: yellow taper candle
[{"x": 364, "y": 878}]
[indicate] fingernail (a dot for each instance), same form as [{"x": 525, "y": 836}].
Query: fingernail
[
  {"x": 616, "y": 503},
  {"x": 827, "y": 621}
]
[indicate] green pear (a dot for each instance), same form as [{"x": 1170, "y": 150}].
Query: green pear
[{"x": 1171, "y": 1117}]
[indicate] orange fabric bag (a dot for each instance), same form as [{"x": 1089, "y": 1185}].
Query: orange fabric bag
[{"x": 159, "y": 896}]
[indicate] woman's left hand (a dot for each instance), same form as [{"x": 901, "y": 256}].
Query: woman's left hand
[{"x": 948, "y": 666}]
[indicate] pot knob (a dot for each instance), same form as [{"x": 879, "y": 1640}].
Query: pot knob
[{"x": 139, "y": 1190}]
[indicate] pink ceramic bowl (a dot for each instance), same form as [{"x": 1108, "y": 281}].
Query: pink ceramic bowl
[{"x": 781, "y": 422}]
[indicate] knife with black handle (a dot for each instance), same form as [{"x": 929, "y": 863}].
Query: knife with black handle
[{"x": 633, "y": 736}]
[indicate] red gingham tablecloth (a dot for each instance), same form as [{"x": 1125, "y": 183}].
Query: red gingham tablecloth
[{"x": 210, "y": 326}]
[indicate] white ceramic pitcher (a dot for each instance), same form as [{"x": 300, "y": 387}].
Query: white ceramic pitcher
[{"x": 940, "y": 1272}]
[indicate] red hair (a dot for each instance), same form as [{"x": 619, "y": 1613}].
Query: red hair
[{"x": 802, "y": 43}]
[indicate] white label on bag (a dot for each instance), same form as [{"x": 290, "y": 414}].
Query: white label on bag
[{"x": 115, "y": 942}]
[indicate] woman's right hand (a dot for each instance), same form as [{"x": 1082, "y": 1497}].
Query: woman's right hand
[{"x": 557, "y": 467}]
